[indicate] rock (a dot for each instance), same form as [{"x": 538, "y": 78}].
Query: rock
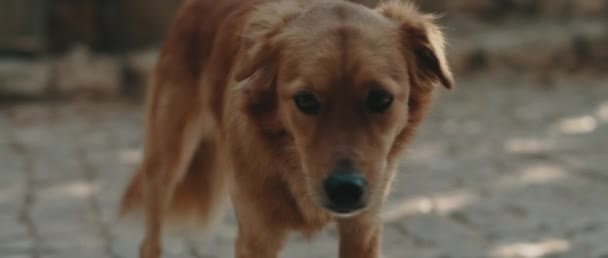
[
  {"x": 564, "y": 47},
  {"x": 553, "y": 8},
  {"x": 470, "y": 6},
  {"x": 24, "y": 78},
  {"x": 139, "y": 67},
  {"x": 590, "y": 7},
  {"x": 82, "y": 72}
]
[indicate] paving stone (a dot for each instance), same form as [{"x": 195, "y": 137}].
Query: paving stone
[
  {"x": 492, "y": 174},
  {"x": 12, "y": 185},
  {"x": 323, "y": 245},
  {"x": 14, "y": 238},
  {"x": 22, "y": 255},
  {"x": 397, "y": 244},
  {"x": 61, "y": 214},
  {"x": 437, "y": 232}
]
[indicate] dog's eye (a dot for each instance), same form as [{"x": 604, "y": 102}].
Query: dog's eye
[
  {"x": 378, "y": 101},
  {"x": 307, "y": 103}
]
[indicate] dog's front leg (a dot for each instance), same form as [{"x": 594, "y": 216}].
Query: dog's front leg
[
  {"x": 259, "y": 240},
  {"x": 259, "y": 234},
  {"x": 359, "y": 237},
  {"x": 155, "y": 202}
]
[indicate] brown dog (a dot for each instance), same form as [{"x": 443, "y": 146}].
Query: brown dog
[{"x": 298, "y": 109}]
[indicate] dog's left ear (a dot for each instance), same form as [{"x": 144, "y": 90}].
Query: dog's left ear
[{"x": 423, "y": 43}]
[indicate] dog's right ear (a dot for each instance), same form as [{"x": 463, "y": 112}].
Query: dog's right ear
[{"x": 261, "y": 39}]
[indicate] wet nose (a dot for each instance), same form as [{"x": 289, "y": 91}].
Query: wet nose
[{"x": 344, "y": 192}]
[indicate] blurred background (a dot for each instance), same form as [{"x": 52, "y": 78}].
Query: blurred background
[{"x": 510, "y": 164}]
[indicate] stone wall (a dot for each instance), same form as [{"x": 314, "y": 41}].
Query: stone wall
[
  {"x": 108, "y": 25},
  {"x": 535, "y": 37},
  {"x": 495, "y": 9}
]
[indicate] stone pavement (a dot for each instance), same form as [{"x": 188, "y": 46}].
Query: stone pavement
[{"x": 503, "y": 168}]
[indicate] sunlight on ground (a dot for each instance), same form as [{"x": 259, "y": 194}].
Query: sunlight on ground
[
  {"x": 532, "y": 250},
  {"x": 408, "y": 207},
  {"x": 426, "y": 152},
  {"x": 130, "y": 156},
  {"x": 602, "y": 112},
  {"x": 78, "y": 189},
  {"x": 533, "y": 175},
  {"x": 441, "y": 204},
  {"x": 578, "y": 125},
  {"x": 445, "y": 203},
  {"x": 526, "y": 146}
]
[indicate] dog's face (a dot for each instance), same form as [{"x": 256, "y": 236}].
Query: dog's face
[{"x": 344, "y": 78}]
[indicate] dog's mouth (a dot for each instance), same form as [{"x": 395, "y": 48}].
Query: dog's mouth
[{"x": 345, "y": 213}]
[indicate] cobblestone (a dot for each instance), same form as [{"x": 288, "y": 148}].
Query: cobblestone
[{"x": 501, "y": 169}]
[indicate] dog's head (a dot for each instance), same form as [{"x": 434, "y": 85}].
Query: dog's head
[{"x": 347, "y": 84}]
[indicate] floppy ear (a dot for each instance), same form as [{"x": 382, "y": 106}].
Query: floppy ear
[
  {"x": 256, "y": 70},
  {"x": 254, "y": 54},
  {"x": 423, "y": 43},
  {"x": 261, "y": 37},
  {"x": 257, "y": 61}
]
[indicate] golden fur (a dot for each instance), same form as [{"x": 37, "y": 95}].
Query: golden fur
[{"x": 221, "y": 119}]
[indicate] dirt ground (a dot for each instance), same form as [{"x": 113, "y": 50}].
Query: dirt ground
[{"x": 503, "y": 168}]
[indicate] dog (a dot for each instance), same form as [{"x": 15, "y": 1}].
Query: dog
[{"x": 296, "y": 111}]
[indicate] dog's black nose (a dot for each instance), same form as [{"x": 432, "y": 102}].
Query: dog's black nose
[{"x": 344, "y": 192}]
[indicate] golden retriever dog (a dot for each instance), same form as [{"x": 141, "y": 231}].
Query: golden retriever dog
[{"x": 296, "y": 110}]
